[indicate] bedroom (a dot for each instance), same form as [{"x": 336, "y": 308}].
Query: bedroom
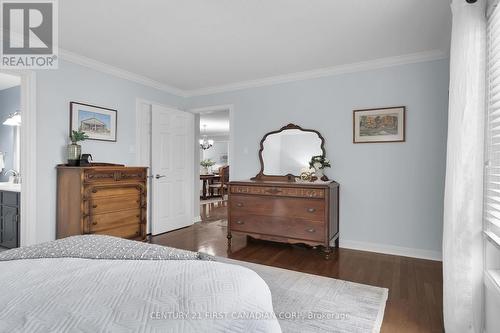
[{"x": 385, "y": 100}]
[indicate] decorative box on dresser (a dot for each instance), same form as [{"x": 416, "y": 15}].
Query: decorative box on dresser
[
  {"x": 283, "y": 203},
  {"x": 104, "y": 199}
]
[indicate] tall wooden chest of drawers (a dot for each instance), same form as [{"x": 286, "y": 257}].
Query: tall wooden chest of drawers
[
  {"x": 107, "y": 200},
  {"x": 290, "y": 212}
]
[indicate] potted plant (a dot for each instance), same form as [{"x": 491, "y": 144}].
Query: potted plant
[
  {"x": 74, "y": 149},
  {"x": 319, "y": 163},
  {"x": 206, "y": 164}
]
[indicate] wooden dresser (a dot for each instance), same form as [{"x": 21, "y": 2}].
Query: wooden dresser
[
  {"x": 107, "y": 200},
  {"x": 288, "y": 201},
  {"x": 291, "y": 212}
]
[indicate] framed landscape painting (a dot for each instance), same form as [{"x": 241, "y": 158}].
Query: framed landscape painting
[
  {"x": 379, "y": 125},
  {"x": 97, "y": 122}
]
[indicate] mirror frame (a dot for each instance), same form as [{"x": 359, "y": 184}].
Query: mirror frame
[{"x": 289, "y": 177}]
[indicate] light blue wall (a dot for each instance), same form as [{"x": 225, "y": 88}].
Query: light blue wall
[
  {"x": 71, "y": 82},
  {"x": 391, "y": 193},
  {"x": 10, "y": 99}
]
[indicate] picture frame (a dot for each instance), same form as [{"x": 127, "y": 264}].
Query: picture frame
[
  {"x": 380, "y": 125},
  {"x": 99, "y": 123}
]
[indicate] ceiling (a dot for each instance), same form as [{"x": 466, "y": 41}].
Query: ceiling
[
  {"x": 195, "y": 44},
  {"x": 9, "y": 81},
  {"x": 217, "y": 123}
]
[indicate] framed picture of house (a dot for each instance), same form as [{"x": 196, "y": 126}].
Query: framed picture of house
[
  {"x": 97, "y": 122},
  {"x": 379, "y": 125}
]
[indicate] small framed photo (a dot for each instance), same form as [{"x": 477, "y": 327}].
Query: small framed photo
[
  {"x": 97, "y": 122},
  {"x": 379, "y": 125}
]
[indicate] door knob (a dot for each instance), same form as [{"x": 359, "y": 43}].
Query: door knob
[{"x": 159, "y": 176}]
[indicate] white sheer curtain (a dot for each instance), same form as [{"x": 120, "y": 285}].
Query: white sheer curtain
[{"x": 463, "y": 204}]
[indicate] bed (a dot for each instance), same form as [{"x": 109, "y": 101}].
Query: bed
[{"x": 97, "y": 283}]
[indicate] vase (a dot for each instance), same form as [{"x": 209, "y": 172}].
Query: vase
[
  {"x": 74, "y": 153},
  {"x": 204, "y": 171},
  {"x": 319, "y": 173}
]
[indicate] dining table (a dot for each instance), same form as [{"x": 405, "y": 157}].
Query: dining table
[{"x": 208, "y": 180}]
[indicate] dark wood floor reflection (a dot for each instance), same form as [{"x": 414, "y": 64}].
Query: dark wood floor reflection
[{"x": 415, "y": 285}]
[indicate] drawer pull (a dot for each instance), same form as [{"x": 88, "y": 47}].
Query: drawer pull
[
  {"x": 94, "y": 190},
  {"x": 94, "y": 206},
  {"x": 239, "y": 222},
  {"x": 311, "y": 230},
  {"x": 138, "y": 216},
  {"x": 274, "y": 190},
  {"x": 239, "y": 204},
  {"x": 311, "y": 210},
  {"x": 94, "y": 223}
]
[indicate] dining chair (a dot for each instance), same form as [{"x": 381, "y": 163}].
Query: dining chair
[{"x": 221, "y": 186}]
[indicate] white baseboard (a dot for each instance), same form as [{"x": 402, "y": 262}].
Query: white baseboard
[
  {"x": 196, "y": 219},
  {"x": 391, "y": 249}
]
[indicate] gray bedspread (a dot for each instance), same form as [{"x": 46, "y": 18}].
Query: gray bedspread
[
  {"x": 105, "y": 284},
  {"x": 100, "y": 247}
]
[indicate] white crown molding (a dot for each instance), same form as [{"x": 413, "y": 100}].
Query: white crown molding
[
  {"x": 312, "y": 74},
  {"x": 118, "y": 72},
  {"x": 391, "y": 249},
  {"x": 329, "y": 71}
]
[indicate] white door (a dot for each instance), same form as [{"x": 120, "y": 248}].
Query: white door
[{"x": 172, "y": 142}]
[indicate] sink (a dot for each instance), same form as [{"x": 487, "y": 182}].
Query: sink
[{"x": 11, "y": 187}]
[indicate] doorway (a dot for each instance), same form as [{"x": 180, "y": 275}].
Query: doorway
[
  {"x": 213, "y": 157},
  {"x": 165, "y": 137},
  {"x": 19, "y": 211},
  {"x": 10, "y": 160}
]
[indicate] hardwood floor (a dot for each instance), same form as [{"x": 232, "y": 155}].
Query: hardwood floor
[{"x": 415, "y": 285}]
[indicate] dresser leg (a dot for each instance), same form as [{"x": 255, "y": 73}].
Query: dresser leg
[{"x": 327, "y": 250}]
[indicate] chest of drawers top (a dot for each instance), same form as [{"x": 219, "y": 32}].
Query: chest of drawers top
[
  {"x": 313, "y": 190},
  {"x": 111, "y": 173}
]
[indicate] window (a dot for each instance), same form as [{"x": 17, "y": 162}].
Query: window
[{"x": 492, "y": 169}]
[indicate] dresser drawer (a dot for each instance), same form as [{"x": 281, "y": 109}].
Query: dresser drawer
[
  {"x": 280, "y": 226},
  {"x": 102, "y": 222},
  {"x": 126, "y": 231},
  {"x": 97, "y": 176},
  {"x": 113, "y": 190},
  {"x": 279, "y": 191},
  {"x": 114, "y": 175},
  {"x": 133, "y": 174},
  {"x": 310, "y": 209},
  {"x": 115, "y": 203}
]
